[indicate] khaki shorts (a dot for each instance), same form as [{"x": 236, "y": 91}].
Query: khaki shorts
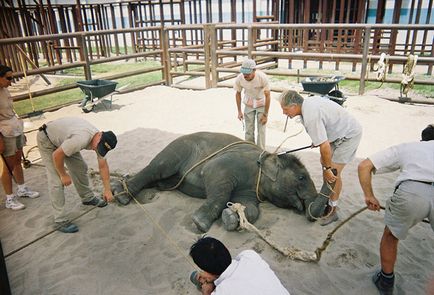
[
  {"x": 411, "y": 203},
  {"x": 344, "y": 149},
  {"x": 13, "y": 144}
]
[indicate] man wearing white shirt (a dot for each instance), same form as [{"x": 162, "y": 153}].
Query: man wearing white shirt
[
  {"x": 248, "y": 273},
  {"x": 412, "y": 200}
]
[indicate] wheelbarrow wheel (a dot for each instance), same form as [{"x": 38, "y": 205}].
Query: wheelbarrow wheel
[
  {"x": 337, "y": 96},
  {"x": 87, "y": 106}
]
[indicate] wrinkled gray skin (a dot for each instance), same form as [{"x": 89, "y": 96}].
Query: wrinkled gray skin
[{"x": 230, "y": 175}]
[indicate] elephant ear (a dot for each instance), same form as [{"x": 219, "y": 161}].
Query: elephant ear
[{"x": 270, "y": 166}]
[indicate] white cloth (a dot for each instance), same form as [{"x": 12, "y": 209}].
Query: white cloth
[
  {"x": 326, "y": 120},
  {"x": 254, "y": 96},
  {"x": 415, "y": 160},
  {"x": 72, "y": 134},
  {"x": 248, "y": 274},
  {"x": 10, "y": 124}
]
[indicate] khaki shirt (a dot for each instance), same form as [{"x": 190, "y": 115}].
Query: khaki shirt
[
  {"x": 71, "y": 134},
  {"x": 10, "y": 124}
]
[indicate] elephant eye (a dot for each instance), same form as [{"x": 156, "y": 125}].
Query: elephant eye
[{"x": 301, "y": 177}]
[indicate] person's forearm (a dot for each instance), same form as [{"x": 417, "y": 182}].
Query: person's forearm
[
  {"x": 105, "y": 174},
  {"x": 238, "y": 100},
  {"x": 267, "y": 101},
  {"x": 59, "y": 162},
  {"x": 365, "y": 178},
  {"x": 326, "y": 154}
]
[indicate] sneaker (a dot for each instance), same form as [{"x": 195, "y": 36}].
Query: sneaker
[
  {"x": 95, "y": 201},
  {"x": 330, "y": 217},
  {"x": 27, "y": 193},
  {"x": 14, "y": 204},
  {"x": 66, "y": 227},
  {"x": 383, "y": 285}
]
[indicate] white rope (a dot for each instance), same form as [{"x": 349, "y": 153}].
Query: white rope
[
  {"x": 408, "y": 73},
  {"x": 291, "y": 252},
  {"x": 382, "y": 65}
]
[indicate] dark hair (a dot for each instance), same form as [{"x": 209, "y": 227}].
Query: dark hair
[
  {"x": 211, "y": 255},
  {"x": 4, "y": 70},
  {"x": 428, "y": 133}
]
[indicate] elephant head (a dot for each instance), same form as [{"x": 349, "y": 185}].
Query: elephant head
[{"x": 287, "y": 184}]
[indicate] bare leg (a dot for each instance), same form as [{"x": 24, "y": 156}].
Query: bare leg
[
  {"x": 18, "y": 169},
  {"x": 14, "y": 165},
  {"x": 388, "y": 250},
  {"x": 338, "y": 184}
]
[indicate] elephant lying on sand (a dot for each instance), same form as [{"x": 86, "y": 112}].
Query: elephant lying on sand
[{"x": 230, "y": 175}]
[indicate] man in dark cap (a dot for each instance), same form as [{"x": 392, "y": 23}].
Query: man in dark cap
[
  {"x": 247, "y": 273},
  {"x": 60, "y": 143}
]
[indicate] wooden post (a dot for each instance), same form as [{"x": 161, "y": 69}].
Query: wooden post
[
  {"x": 78, "y": 25},
  {"x": 394, "y": 33},
  {"x": 250, "y": 38},
  {"x": 165, "y": 57},
  {"x": 366, "y": 37},
  {"x": 115, "y": 36},
  {"x": 207, "y": 58},
  {"x": 213, "y": 54},
  {"x": 87, "y": 70}
]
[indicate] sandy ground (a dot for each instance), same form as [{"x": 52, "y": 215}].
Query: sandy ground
[{"x": 143, "y": 249}]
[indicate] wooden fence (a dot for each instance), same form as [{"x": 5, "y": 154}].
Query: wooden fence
[{"x": 220, "y": 52}]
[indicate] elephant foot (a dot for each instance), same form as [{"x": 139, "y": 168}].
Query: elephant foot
[
  {"x": 202, "y": 222},
  {"x": 120, "y": 194},
  {"x": 230, "y": 219}
]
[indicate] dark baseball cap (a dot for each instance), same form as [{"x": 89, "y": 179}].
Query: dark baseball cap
[{"x": 107, "y": 142}]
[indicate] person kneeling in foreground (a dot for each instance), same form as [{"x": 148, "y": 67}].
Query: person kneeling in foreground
[
  {"x": 60, "y": 143},
  {"x": 412, "y": 200},
  {"x": 248, "y": 273}
]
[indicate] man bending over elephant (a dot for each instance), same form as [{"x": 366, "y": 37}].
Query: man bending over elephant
[
  {"x": 333, "y": 130},
  {"x": 226, "y": 168},
  {"x": 412, "y": 200}
]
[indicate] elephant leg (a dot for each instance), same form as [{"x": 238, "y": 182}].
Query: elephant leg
[
  {"x": 316, "y": 208},
  {"x": 163, "y": 166},
  {"x": 231, "y": 220},
  {"x": 218, "y": 192}
]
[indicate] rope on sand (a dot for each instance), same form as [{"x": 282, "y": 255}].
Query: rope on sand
[{"x": 291, "y": 252}]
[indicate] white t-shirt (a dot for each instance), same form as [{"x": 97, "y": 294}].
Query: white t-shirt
[
  {"x": 10, "y": 124},
  {"x": 326, "y": 120},
  {"x": 248, "y": 274},
  {"x": 254, "y": 96},
  {"x": 72, "y": 134},
  {"x": 414, "y": 160}
]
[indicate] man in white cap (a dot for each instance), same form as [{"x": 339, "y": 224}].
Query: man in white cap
[{"x": 256, "y": 101}]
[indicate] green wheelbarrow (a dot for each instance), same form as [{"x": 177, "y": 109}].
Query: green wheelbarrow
[
  {"x": 324, "y": 86},
  {"x": 96, "y": 91}
]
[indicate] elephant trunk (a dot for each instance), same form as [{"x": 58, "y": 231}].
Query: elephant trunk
[{"x": 316, "y": 208}]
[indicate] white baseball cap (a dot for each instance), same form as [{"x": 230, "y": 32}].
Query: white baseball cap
[{"x": 248, "y": 66}]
